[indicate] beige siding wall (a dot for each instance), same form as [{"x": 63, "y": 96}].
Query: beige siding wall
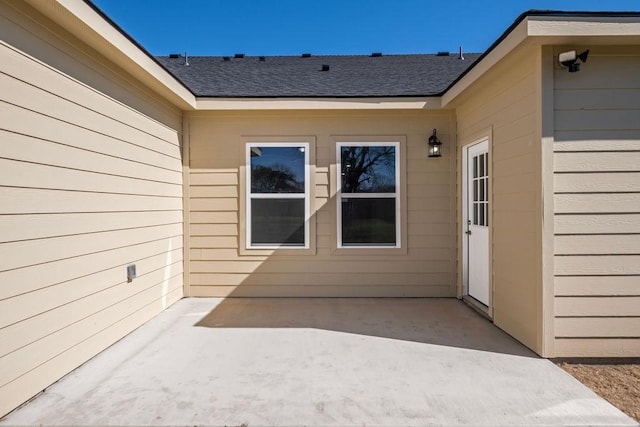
[
  {"x": 503, "y": 105},
  {"x": 88, "y": 185},
  {"x": 597, "y": 205},
  {"x": 219, "y": 265}
]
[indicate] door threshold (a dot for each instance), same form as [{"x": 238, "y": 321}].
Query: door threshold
[{"x": 482, "y": 309}]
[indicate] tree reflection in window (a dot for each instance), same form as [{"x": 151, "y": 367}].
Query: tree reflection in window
[
  {"x": 277, "y": 169},
  {"x": 274, "y": 179},
  {"x": 368, "y": 195},
  {"x": 277, "y": 201},
  {"x": 368, "y": 169}
]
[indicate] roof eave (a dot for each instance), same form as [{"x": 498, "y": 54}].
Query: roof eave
[
  {"x": 550, "y": 27},
  {"x": 88, "y": 23},
  {"x": 514, "y": 35},
  {"x": 320, "y": 103}
]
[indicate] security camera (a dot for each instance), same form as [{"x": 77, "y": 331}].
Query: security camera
[{"x": 570, "y": 60}]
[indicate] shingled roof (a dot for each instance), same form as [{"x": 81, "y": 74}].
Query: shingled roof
[{"x": 298, "y": 76}]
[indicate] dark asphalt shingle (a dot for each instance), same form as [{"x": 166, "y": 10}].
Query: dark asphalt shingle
[{"x": 295, "y": 76}]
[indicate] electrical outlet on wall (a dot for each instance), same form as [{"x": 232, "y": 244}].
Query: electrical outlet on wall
[{"x": 131, "y": 272}]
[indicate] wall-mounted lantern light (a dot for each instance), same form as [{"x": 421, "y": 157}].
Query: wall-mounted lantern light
[{"x": 434, "y": 145}]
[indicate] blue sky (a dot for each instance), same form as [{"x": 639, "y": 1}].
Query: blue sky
[{"x": 291, "y": 27}]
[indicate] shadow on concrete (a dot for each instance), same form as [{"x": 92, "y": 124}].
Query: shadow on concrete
[{"x": 437, "y": 321}]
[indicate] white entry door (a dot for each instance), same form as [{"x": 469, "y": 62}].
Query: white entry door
[{"x": 477, "y": 221}]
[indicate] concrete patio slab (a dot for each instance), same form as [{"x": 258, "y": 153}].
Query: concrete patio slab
[{"x": 317, "y": 362}]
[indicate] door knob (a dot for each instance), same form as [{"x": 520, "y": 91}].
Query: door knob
[{"x": 468, "y": 232}]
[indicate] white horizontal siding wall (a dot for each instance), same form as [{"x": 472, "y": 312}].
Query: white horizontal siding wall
[
  {"x": 597, "y": 205},
  {"x": 88, "y": 185}
]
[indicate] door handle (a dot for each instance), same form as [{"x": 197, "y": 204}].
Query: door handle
[{"x": 467, "y": 232}]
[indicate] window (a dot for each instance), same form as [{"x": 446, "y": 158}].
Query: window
[
  {"x": 480, "y": 201},
  {"x": 277, "y": 195},
  {"x": 368, "y": 194}
]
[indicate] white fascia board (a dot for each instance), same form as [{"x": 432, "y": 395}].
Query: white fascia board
[
  {"x": 84, "y": 22},
  {"x": 404, "y": 103},
  {"x": 550, "y": 26},
  {"x": 513, "y": 39},
  {"x": 552, "y": 30}
]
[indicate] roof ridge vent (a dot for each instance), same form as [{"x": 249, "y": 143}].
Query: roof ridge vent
[
  {"x": 262, "y": 58},
  {"x": 174, "y": 55},
  {"x": 226, "y": 58},
  {"x": 325, "y": 67},
  {"x": 376, "y": 54},
  {"x": 442, "y": 53},
  {"x": 306, "y": 55},
  {"x": 239, "y": 55}
]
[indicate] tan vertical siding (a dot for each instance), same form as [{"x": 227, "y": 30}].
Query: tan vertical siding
[
  {"x": 503, "y": 105},
  {"x": 597, "y": 204},
  {"x": 219, "y": 264},
  {"x": 88, "y": 185}
]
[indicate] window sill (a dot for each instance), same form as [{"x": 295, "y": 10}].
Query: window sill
[
  {"x": 370, "y": 251},
  {"x": 278, "y": 251}
]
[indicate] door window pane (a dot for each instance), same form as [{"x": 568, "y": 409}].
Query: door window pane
[
  {"x": 486, "y": 189},
  {"x": 486, "y": 164},
  {"x": 475, "y": 213},
  {"x": 486, "y": 214},
  {"x": 277, "y": 221},
  {"x": 369, "y": 221}
]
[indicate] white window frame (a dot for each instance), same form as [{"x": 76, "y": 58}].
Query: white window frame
[
  {"x": 340, "y": 195},
  {"x": 305, "y": 195}
]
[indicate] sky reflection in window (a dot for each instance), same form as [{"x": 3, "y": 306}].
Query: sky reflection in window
[{"x": 277, "y": 169}]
